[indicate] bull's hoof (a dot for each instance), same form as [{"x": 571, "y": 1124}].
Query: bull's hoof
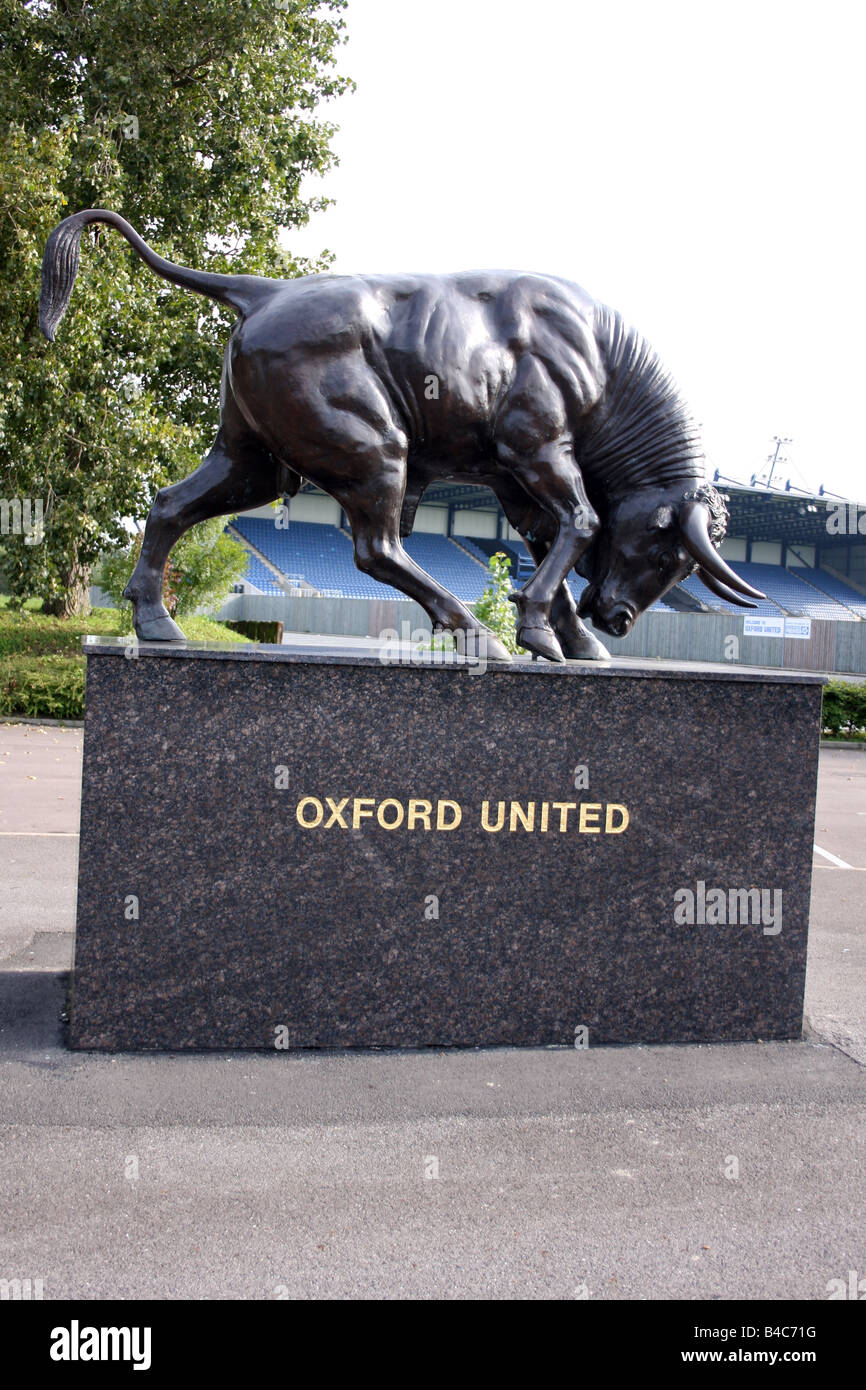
[
  {"x": 541, "y": 640},
  {"x": 159, "y": 628},
  {"x": 493, "y": 649},
  {"x": 482, "y": 645},
  {"x": 533, "y": 630},
  {"x": 583, "y": 648}
]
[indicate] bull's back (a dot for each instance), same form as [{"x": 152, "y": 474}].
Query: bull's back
[{"x": 444, "y": 347}]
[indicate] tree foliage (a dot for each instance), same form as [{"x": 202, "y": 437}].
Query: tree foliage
[
  {"x": 202, "y": 568},
  {"x": 198, "y": 124},
  {"x": 844, "y": 708}
]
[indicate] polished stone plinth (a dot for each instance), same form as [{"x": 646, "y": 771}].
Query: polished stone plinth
[{"x": 283, "y": 848}]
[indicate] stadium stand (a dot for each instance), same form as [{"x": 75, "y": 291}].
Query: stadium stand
[
  {"x": 788, "y": 592},
  {"x": 836, "y": 589},
  {"x": 322, "y": 555},
  {"x": 260, "y": 577},
  {"x": 446, "y": 562},
  {"x": 806, "y": 552}
]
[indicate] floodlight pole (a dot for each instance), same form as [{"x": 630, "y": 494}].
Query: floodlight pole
[{"x": 772, "y": 461}]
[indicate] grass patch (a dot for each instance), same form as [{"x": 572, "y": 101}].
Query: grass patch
[{"x": 42, "y": 665}]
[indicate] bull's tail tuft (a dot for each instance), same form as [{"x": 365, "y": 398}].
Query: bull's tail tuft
[{"x": 59, "y": 269}]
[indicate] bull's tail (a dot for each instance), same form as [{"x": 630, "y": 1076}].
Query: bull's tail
[{"x": 60, "y": 267}]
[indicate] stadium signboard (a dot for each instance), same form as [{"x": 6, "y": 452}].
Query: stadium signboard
[
  {"x": 781, "y": 626},
  {"x": 764, "y": 627}
]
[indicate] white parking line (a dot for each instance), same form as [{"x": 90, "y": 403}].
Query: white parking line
[
  {"x": 40, "y": 834},
  {"x": 840, "y": 863}
]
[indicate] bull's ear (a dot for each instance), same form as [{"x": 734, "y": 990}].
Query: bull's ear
[{"x": 662, "y": 519}]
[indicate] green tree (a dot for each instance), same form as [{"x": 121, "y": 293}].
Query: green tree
[
  {"x": 203, "y": 566},
  {"x": 197, "y": 123},
  {"x": 494, "y": 609},
  {"x": 844, "y": 708}
]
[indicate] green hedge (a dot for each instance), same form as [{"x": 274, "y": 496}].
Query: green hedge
[
  {"x": 44, "y": 687},
  {"x": 844, "y": 709},
  {"x": 35, "y": 634},
  {"x": 258, "y": 631},
  {"x": 42, "y": 666}
]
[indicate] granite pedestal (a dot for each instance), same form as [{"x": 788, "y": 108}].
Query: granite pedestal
[{"x": 287, "y": 849}]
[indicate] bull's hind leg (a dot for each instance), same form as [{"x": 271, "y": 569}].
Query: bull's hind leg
[
  {"x": 373, "y": 509},
  {"x": 235, "y": 476},
  {"x": 352, "y": 445}
]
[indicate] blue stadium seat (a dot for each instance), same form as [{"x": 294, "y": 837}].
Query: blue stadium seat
[
  {"x": 259, "y": 575},
  {"x": 445, "y": 561},
  {"x": 696, "y": 589},
  {"x": 837, "y": 590},
  {"x": 324, "y": 556},
  {"x": 788, "y": 592}
]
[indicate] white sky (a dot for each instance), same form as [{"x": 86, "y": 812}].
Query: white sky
[{"x": 698, "y": 166}]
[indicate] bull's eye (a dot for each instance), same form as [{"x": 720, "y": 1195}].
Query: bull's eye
[{"x": 669, "y": 561}]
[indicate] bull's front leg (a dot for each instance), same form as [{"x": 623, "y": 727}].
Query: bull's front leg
[
  {"x": 575, "y": 638},
  {"x": 544, "y": 612},
  {"x": 554, "y": 481},
  {"x": 538, "y": 531}
]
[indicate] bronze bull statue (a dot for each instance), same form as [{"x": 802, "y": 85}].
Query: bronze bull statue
[{"x": 374, "y": 386}]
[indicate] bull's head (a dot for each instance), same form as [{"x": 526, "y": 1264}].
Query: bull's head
[{"x": 652, "y": 539}]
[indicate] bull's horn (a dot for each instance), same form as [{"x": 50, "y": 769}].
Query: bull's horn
[
  {"x": 695, "y": 528},
  {"x": 722, "y": 591}
]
